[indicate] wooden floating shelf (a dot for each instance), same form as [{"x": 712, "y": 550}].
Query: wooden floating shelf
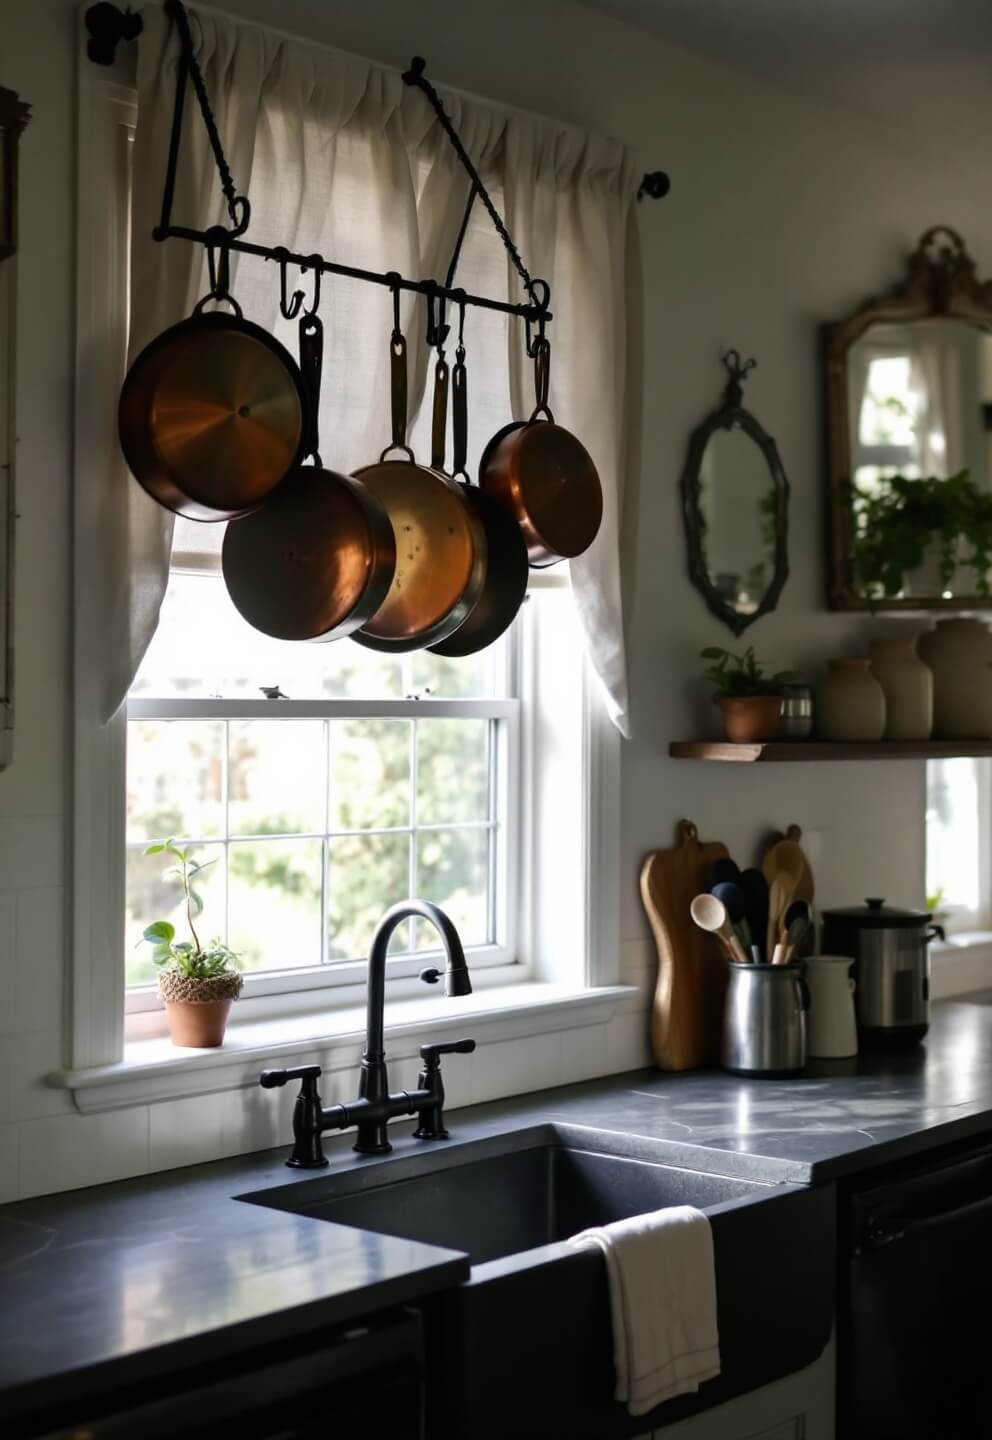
[{"x": 806, "y": 750}]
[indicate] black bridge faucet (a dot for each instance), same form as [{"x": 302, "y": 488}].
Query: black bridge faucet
[{"x": 375, "y": 1106}]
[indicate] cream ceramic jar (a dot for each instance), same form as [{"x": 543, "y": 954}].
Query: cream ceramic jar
[
  {"x": 908, "y": 686},
  {"x": 850, "y": 703},
  {"x": 959, "y": 653}
]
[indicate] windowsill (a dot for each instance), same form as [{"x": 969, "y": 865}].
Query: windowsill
[
  {"x": 154, "y": 1069},
  {"x": 960, "y": 964}
]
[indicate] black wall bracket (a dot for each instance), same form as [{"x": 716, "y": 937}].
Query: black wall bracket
[{"x": 108, "y": 25}]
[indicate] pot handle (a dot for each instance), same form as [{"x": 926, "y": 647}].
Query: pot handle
[
  {"x": 439, "y": 421},
  {"x": 542, "y": 378},
  {"x": 459, "y": 416},
  {"x": 397, "y": 396},
  {"x": 311, "y": 331},
  {"x": 934, "y": 932}
]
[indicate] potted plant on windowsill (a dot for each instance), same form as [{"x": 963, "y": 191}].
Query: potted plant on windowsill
[
  {"x": 198, "y": 983},
  {"x": 751, "y": 701}
]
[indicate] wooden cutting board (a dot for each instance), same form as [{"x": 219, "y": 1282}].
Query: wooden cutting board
[{"x": 687, "y": 1012}]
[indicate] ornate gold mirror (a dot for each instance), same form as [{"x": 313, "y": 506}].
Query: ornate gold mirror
[{"x": 909, "y": 421}]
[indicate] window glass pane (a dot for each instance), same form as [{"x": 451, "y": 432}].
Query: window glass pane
[
  {"x": 175, "y": 779},
  {"x": 452, "y": 771},
  {"x": 276, "y": 777},
  {"x": 452, "y": 870},
  {"x": 953, "y": 836},
  {"x": 370, "y": 774},
  {"x": 155, "y": 893},
  {"x": 230, "y": 659},
  {"x": 366, "y": 874},
  {"x": 274, "y": 902}
]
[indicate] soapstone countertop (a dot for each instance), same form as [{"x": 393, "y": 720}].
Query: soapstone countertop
[{"x": 129, "y": 1282}]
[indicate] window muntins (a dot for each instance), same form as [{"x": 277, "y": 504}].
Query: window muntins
[{"x": 377, "y": 778}]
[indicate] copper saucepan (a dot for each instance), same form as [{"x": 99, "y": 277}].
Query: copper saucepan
[
  {"x": 546, "y": 477},
  {"x": 506, "y": 554},
  {"x": 317, "y": 560},
  {"x": 211, "y": 412},
  {"x": 440, "y": 544}
]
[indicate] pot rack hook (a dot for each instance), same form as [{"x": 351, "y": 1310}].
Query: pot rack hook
[
  {"x": 289, "y": 308},
  {"x": 437, "y": 330},
  {"x": 460, "y": 350},
  {"x": 315, "y": 264},
  {"x": 393, "y": 279},
  {"x": 540, "y": 292},
  {"x": 218, "y": 270}
]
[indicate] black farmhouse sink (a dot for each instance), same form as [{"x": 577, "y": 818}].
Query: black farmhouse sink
[{"x": 524, "y": 1346}]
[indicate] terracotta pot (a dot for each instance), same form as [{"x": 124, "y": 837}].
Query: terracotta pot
[
  {"x": 850, "y": 703},
  {"x": 197, "y": 1010},
  {"x": 908, "y": 686},
  {"x": 748, "y": 719},
  {"x": 959, "y": 653}
]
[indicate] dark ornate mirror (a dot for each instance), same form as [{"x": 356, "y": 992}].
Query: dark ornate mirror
[
  {"x": 735, "y": 500},
  {"x": 908, "y": 380}
]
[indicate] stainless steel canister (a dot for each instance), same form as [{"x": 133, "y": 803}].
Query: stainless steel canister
[
  {"x": 891, "y": 951},
  {"x": 764, "y": 1020},
  {"x": 796, "y": 721}
]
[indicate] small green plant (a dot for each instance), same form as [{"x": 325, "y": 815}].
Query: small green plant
[
  {"x": 935, "y": 900},
  {"x": 188, "y": 957},
  {"x": 735, "y": 676},
  {"x": 896, "y": 523}
]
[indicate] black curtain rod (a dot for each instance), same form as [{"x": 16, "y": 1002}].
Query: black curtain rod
[{"x": 108, "y": 25}]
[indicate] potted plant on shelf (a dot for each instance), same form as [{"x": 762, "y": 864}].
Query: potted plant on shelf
[
  {"x": 751, "y": 701},
  {"x": 902, "y": 524},
  {"x": 197, "y": 983}
]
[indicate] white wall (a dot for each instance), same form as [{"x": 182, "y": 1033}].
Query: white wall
[{"x": 781, "y": 214}]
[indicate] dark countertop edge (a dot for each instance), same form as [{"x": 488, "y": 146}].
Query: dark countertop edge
[
  {"x": 879, "y": 1154},
  {"x": 92, "y": 1381}
]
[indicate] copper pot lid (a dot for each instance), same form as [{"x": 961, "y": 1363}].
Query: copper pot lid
[{"x": 211, "y": 416}]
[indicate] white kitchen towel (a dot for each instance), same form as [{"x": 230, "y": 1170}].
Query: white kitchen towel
[{"x": 662, "y": 1302}]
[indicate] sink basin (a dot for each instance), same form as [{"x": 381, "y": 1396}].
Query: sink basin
[
  {"x": 499, "y": 1197},
  {"x": 524, "y": 1347}
]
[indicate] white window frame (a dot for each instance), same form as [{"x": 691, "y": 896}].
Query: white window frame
[
  {"x": 958, "y": 920},
  {"x": 504, "y": 714},
  {"x": 567, "y": 901}
]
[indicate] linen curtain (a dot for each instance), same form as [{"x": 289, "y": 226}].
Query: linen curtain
[{"x": 338, "y": 156}]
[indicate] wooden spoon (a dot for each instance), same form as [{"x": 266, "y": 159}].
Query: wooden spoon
[
  {"x": 710, "y": 914},
  {"x": 783, "y": 887}
]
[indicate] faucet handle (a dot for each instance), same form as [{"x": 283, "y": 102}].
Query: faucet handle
[
  {"x": 433, "y": 1053},
  {"x": 270, "y": 1079}
]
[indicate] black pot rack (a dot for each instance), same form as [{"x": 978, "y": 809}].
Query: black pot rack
[{"x": 108, "y": 26}]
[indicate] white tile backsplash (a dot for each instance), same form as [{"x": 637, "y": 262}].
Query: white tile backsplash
[
  {"x": 9, "y": 1180},
  {"x": 8, "y": 961},
  {"x": 66, "y": 1151},
  {"x": 31, "y": 852},
  {"x": 33, "y": 1055},
  {"x": 39, "y": 950}
]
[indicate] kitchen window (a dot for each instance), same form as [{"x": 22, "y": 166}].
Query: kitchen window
[
  {"x": 959, "y": 852},
  {"x": 488, "y": 784}
]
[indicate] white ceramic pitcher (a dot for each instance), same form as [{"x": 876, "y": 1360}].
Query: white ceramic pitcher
[{"x": 831, "y": 1027}]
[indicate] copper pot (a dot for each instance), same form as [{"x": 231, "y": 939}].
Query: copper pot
[
  {"x": 317, "y": 560},
  {"x": 440, "y": 544},
  {"x": 211, "y": 412},
  {"x": 545, "y": 476}
]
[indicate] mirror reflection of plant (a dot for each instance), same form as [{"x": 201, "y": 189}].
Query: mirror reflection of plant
[
  {"x": 896, "y": 522},
  {"x": 189, "y": 957},
  {"x": 733, "y": 676}
]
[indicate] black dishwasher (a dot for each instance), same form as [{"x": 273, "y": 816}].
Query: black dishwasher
[{"x": 914, "y": 1325}]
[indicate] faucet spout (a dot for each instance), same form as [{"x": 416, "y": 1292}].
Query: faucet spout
[{"x": 457, "y": 978}]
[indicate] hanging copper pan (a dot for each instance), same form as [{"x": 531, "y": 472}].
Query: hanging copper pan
[
  {"x": 440, "y": 544},
  {"x": 545, "y": 476},
  {"x": 317, "y": 560},
  {"x": 211, "y": 412},
  {"x": 506, "y": 554}
]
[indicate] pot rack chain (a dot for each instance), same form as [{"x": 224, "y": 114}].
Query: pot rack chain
[{"x": 217, "y": 237}]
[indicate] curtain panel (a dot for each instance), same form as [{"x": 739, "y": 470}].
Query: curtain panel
[{"x": 338, "y": 156}]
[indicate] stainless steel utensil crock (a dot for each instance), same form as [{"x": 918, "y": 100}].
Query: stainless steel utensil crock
[
  {"x": 764, "y": 1020},
  {"x": 891, "y": 951},
  {"x": 796, "y": 720}
]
